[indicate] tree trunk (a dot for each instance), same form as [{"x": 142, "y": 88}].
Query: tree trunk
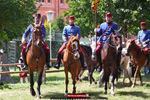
[{"x": 5, "y": 77}]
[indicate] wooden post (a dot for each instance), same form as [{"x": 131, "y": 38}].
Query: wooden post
[{"x": 96, "y": 27}]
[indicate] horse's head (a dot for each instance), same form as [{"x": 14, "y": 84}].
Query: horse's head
[
  {"x": 37, "y": 35},
  {"x": 129, "y": 47},
  {"x": 93, "y": 47},
  {"x": 117, "y": 39},
  {"x": 73, "y": 46}
]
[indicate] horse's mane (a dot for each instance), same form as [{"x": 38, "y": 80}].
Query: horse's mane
[{"x": 87, "y": 48}]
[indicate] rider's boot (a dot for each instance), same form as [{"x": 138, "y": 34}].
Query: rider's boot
[
  {"x": 99, "y": 61},
  {"x": 24, "y": 61},
  {"x": 57, "y": 66},
  {"x": 48, "y": 60}
]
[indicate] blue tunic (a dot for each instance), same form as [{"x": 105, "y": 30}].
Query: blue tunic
[
  {"x": 70, "y": 30},
  {"x": 144, "y": 36},
  {"x": 104, "y": 27},
  {"x": 30, "y": 30}
]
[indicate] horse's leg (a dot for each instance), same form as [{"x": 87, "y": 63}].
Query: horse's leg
[
  {"x": 128, "y": 75},
  {"x": 140, "y": 79},
  {"x": 39, "y": 84},
  {"x": 66, "y": 81},
  {"x": 92, "y": 75},
  {"x": 105, "y": 92},
  {"x": 73, "y": 76},
  {"x": 32, "y": 84},
  {"x": 100, "y": 77},
  {"x": 112, "y": 85},
  {"x": 123, "y": 77},
  {"x": 135, "y": 75},
  {"x": 80, "y": 74}
]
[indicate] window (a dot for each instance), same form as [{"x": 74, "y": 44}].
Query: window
[
  {"x": 61, "y": 1},
  {"x": 49, "y": 1}
]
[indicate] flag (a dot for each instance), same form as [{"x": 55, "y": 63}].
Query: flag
[{"x": 94, "y": 4}]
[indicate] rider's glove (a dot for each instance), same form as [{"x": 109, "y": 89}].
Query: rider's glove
[{"x": 23, "y": 40}]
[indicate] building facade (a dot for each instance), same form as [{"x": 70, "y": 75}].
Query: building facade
[{"x": 54, "y": 5}]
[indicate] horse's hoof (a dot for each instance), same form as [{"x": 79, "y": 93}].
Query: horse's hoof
[
  {"x": 105, "y": 92},
  {"x": 89, "y": 85},
  {"x": 80, "y": 80},
  {"x": 66, "y": 94},
  {"x": 33, "y": 93},
  {"x": 140, "y": 84},
  {"x": 132, "y": 86},
  {"x": 95, "y": 82},
  {"x": 112, "y": 94},
  {"x": 38, "y": 97},
  {"x": 130, "y": 82}
]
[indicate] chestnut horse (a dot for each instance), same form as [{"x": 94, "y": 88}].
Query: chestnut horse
[
  {"x": 72, "y": 62},
  {"x": 138, "y": 57},
  {"x": 36, "y": 59},
  {"x": 111, "y": 48}
]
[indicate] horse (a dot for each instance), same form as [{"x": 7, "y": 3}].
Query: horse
[
  {"x": 72, "y": 62},
  {"x": 125, "y": 64},
  {"x": 138, "y": 57},
  {"x": 111, "y": 47},
  {"x": 36, "y": 59},
  {"x": 91, "y": 64}
]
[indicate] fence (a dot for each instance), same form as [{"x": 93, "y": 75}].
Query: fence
[{"x": 15, "y": 64}]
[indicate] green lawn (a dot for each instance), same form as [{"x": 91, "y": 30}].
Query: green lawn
[{"x": 55, "y": 89}]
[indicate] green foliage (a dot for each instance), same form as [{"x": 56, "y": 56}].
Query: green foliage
[
  {"x": 126, "y": 13},
  {"x": 15, "y": 16},
  {"x": 47, "y": 27},
  {"x": 58, "y": 24}
]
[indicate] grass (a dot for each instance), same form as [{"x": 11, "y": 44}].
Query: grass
[{"x": 55, "y": 89}]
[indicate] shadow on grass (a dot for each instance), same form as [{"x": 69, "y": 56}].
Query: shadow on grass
[
  {"x": 54, "y": 78},
  {"x": 56, "y": 95},
  {"x": 134, "y": 93},
  {"x": 5, "y": 87}
]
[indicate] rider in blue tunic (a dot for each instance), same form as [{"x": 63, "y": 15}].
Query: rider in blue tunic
[
  {"x": 104, "y": 31},
  {"x": 144, "y": 36},
  {"x": 68, "y": 30}
]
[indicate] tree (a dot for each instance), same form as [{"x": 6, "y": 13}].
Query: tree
[
  {"x": 15, "y": 16},
  {"x": 58, "y": 24},
  {"x": 126, "y": 13}
]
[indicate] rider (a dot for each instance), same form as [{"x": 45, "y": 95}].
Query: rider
[
  {"x": 104, "y": 31},
  {"x": 144, "y": 36},
  {"x": 28, "y": 43},
  {"x": 68, "y": 30}
]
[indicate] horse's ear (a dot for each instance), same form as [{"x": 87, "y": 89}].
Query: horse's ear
[
  {"x": 126, "y": 39},
  {"x": 112, "y": 30},
  {"x": 77, "y": 35},
  {"x": 120, "y": 29},
  {"x": 40, "y": 23}
]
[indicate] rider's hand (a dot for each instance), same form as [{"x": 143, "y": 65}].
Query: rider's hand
[
  {"x": 23, "y": 40},
  {"x": 96, "y": 30}
]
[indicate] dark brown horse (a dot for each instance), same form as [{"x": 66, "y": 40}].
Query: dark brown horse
[
  {"x": 138, "y": 57},
  {"x": 91, "y": 64},
  {"x": 36, "y": 59},
  {"x": 109, "y": 52},
  {"x": 72, "y": 62}
]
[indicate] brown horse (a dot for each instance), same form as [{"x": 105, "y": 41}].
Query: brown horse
[
  {"x": 36, "y": 59},
  {"x": 111, "y": 48},
  {"x": 91, "y": 64},
  {"x": 72, "y": 62},
  {"x": 138, "y": 57}
]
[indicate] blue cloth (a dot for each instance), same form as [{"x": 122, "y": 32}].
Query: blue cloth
[
  {"x": 104, "y": 27},
  {"x": 144, "y": 36},
  {"x": 70, "y": 30},
  {"x": 30, "y": 30}
]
